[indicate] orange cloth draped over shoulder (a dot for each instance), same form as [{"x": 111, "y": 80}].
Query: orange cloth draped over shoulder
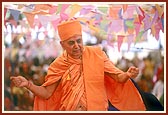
[{"x": 98, "y": 87}]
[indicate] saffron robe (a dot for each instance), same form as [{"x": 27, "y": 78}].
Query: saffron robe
[{"x": 98, "y": 87}]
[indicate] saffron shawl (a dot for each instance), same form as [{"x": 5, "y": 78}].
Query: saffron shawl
[{"x": 98, "y": 87}]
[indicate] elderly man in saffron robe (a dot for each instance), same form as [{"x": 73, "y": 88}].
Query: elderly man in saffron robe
[{"x": 83, "y": 79}]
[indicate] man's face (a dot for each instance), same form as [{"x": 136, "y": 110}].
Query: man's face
[{"x": 73, "y": 46}]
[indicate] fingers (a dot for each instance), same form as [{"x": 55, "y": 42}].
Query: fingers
[
  {"x": 17, "y": 83},
  {"x": 16, "y": 80},
  {"x": 133, "y": 71},
  {"x": 12, "y": 77}
]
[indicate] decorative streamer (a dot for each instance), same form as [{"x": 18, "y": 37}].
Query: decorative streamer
[
  {"x": 157, "y": 29},
  {"x": 116, "y": 26},
  {"x": 13, "y": 22},
  {"x": 125, "y": 6},
  {"x": 130, "y": 39},
  {"x": 129, "y": 12},
  {"x": 46, "y": 19},
  {"x": 103, "y": 9},
  {"x": 63, "y": 16},
  {"x": 159, "y": 9},
  {"x": 120, "y": 41},
  {"x": 64, "y": 7},
  {"x": 114, "y": 11},
  {"x": 40, "y": 7},
  {"x": 53, "y": 9},
  {"x": 75, "y": 8},
  {"x": 155, "y": 18},
  {"x": 129, "y": 23},
  {"x": 147, "y": 22},
  {"x": 106, "y": 20},
  {"x": 109, "y": 40},
  {"x": 84, "y": 11},
  {"x": 5, "y": 11},
  {"x": 55, "y": 23},
  {"x": 15, "y": 14},
  {"x": 140, "y": 14},
  {"x": 162, "y": 21},
  {"x": 30, "y": 18},
  {"x": 139, "y": 36},
  {"x": 137, "y": 28}
]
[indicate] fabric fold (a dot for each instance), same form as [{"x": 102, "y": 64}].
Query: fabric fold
[{"x": 91, "y": 87}]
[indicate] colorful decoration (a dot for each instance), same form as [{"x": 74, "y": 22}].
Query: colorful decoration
[{"x": 126, "y": 22}]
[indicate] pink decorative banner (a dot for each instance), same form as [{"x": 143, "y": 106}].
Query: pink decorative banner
[
  {"x": 116, "y": 26},
  {"x": 129, "y": 13},
  {"x": 64, "y": 16},
  {"x": 147, "y": 22},
  {"x": 120, "y": 41},
  {"x": 140, "y": 14},
  {"x": 55, "y": 23},
  {"x": 53, "y": 10},
  {"x": 64, "y": 7},
  {"x": 137, "y": 28},
  {"x": 130, "y": 39}
]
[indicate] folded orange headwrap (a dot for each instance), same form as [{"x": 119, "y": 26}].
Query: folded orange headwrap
[{"x": 69, "y": 29}]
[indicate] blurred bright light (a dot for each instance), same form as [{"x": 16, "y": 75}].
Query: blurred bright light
[
  {"x": 41, "y": 36},
  {"x": 8, "y": 39},
  {"x": 19, "y": 29},
  {"x": 9, "y": 28},
  {"x": 22, "y": 40},
  {"x": 33, "y": 35},
  {"x": 51, "y": 34}
]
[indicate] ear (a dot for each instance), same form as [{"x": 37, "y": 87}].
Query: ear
[{"x": 62, "y": 44}]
